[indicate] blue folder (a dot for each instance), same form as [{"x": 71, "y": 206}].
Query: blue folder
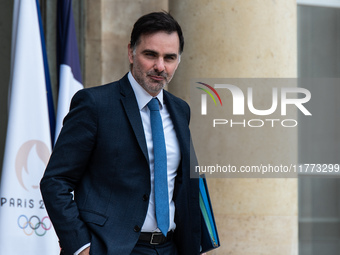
[{"x": 209, "y": 239}]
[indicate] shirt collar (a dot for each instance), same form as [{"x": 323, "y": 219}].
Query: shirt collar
[{"x": 143, "y": 97}]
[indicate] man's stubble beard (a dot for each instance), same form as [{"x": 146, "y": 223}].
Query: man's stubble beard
[{"x": 142, "y": 80}]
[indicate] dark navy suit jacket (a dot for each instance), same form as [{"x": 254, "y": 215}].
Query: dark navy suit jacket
[{"x": 101, "y": 155}]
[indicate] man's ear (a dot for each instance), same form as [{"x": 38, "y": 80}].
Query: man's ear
[{"x": 130, "y": 53}]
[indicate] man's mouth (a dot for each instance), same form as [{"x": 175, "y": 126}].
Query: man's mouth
[{"x": 157, "y": 77}]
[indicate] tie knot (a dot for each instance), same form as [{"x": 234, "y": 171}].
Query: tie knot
[{"x": 153, "y": 104}]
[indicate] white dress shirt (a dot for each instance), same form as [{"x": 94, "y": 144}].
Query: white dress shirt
[{"x": 172, "y": 151}]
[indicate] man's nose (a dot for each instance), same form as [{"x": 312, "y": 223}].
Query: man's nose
[{"x": 159, "y": 65}]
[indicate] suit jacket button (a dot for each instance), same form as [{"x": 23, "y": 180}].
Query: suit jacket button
[
  {"x": 145, "y": 197},
  {"x": 136, "y": 228}
]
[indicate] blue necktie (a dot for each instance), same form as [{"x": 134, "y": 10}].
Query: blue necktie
[{"x": 161, "y": 176}]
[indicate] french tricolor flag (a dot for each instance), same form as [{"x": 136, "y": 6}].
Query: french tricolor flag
[{"x": 70, "y": 80}]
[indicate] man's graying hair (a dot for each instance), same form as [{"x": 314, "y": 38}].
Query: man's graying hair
[{"x": 156, "y": 22}]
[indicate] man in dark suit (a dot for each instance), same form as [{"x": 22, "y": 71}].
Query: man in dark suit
[{"x": 108, "y": 155}]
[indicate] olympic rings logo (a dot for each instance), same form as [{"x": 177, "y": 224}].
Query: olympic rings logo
[{"x": 34, "y": 225}]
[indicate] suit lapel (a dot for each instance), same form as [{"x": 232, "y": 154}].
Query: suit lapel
[
  {"x": 132, "y": 111},
  {"x": 180, "y": 121}
]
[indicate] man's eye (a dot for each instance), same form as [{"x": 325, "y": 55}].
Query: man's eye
[
  {"x": 170, "y": 58},
  {"x": 149, "y": 54}
]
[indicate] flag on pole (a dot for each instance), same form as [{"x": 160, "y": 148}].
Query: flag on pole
[
  {"x": 70, "y": 80},
  {"x": 25, "y": 225},
  {"x": 50, "y": 103}
]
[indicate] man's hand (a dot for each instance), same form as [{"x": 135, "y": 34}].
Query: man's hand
[{"x": 85, "y": 252}]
